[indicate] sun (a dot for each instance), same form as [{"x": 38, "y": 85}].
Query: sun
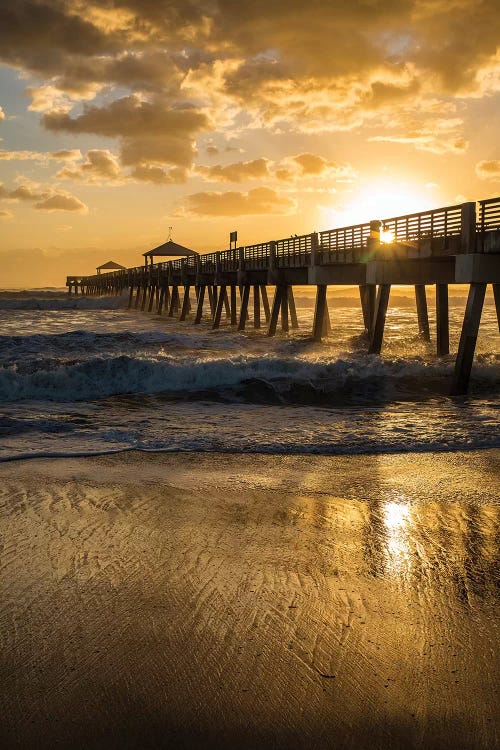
[{"x": 379, "y": 199}]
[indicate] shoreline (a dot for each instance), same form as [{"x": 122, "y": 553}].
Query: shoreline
[{"x": 221, "y": 600}]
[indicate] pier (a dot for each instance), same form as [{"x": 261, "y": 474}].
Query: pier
[{"x": 457, "y": 244}]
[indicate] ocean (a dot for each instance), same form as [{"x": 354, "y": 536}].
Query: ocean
[{"x": 85, "y": 376}]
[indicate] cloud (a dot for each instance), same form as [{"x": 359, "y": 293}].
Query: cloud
[
  {"x": 150, "y": 131},
  {"x": 262, "y": 200},
  {"x": 438, "y": 130},
  {"x": 61, "y": 202},
  {"x": 48, "y": 199},
  {"x": 5, "y": 214},
  {"x": 99, "y": 165},
  {"x": 238, "y": 172},
  {"x": 489, "y": 170},
  {"x": 158, "y": 175},
  {"x": 61, "y": 155},
  {"x": 2, "y": 114}
]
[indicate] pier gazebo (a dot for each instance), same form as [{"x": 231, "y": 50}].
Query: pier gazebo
[
  {"x": 169, "y": 249},
  {"x": 110, "y": 266}
]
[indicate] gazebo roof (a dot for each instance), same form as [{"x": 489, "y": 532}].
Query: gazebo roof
[
  {"x": 170, "y": 248},
  {"x": 110, "y": 265}
]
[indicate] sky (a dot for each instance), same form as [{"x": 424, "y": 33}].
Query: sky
[{"x": 121, "y": 119}]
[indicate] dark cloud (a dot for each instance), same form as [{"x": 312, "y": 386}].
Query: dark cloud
[{"x": 150, "y": 131}]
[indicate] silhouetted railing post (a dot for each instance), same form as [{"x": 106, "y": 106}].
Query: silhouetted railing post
[
  {"x": 315, "y": 253},
  {"x": 373, "y": 241},
  {"x": 468, "y": 228}
]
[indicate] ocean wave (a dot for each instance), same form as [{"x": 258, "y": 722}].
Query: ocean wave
[
  {"x": 50, "y": 302},
  {"x": 251, "y": 378},
  {"x": 110, "y": 342}
]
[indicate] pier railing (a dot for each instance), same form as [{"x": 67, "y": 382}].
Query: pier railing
[{"x": 437, "y": 232}]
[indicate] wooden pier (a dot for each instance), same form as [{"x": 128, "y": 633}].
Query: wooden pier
[{"x": 453, "y": 245}]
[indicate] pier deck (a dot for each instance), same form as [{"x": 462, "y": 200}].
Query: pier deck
[{"x": 457, "y": 244}]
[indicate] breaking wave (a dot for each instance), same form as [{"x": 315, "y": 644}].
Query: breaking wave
[{"x": 249, "y": 378}]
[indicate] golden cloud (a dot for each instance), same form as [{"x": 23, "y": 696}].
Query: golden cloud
[
  {"x": 262, "y": 200},
  {"x": 99, "y": 165},
  {"x": 237, "y": 172},
  {"x": 488, "y": 170}
]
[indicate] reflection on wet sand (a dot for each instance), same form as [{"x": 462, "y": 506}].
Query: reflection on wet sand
[{"x": 250, "y": 601}]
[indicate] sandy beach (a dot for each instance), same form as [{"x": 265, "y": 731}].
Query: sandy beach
[{"x": 212, "y": 600}]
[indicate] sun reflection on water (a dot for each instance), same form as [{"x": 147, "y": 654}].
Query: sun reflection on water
[{"x": 396, "y": 517}]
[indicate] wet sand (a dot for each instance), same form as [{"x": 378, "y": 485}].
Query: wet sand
[{"x": 185, "y": 601}]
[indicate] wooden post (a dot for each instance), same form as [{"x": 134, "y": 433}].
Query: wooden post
[
  {"x": 256, "y": 306},
  {"x": 244, "y": 308},
  {"x": 327, "y": 326},
  {"x": 319, "y": 312},
  {"x": 468, "y": 338},
  {"x": 468, "y": 228},
  {"x": 442, "y": 320},
  {"x": 174, "y": 301},
  {"x": 234, "y": 312},
  {"x": 284, "y": 310},
  {"x": 371, "y": 294},
  {"x": 144, "y": 296},
  {"x": 422, "y": 314},
  {"x": 367, "y": 294},
  {"x": 161, "y": 300},
  {"x": 384, "y": 291},
  {"x": 265, "y": 302},
  {"x": 137, "y": 296},
  {"x": 291, "y": 307},
  {"x": 130, "y": 296},
  {"x": 273, "y": 321},
  {"x": 227, "y": 307},
  {"x": 185, "y": 303},
  {"x": 220, "y": 304},
  {"x": 199, "y": 306},
  {"x": 211, "y": 300},
  {"x": 152, "y": 290},
  {"x": 496, "y": 295}
]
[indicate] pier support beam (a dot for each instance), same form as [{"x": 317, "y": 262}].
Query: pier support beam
[
  {"x": 422, "y": 314},
  {"x": 244, "y": 307},
  {"x": 220, "y": 304},
  {"x": 320, "y": 311},
  {"x": 130, "y": 297},
  {"x": 367, "y": 293},
  {"x": 381, "y": 305},
  {"x": 186, "y": 303},
  {"x": 292, "y": 309},
  {"x": 199, "y": 305},
  {"x": 234, "y": 311},
  {"x": 496, "y": 294},
  {"x": 273, "y": 321},
  {"x": 174, "y": 302},
  {"x": 442, "y": 320},
  {"x": 211, "y": 300},
  {"x": 256, "y": 306},
  {"x": 468, "y": 338},
  {"x": 284, "y": 310},
  {"x": 144, "y": 297},
  {"x": 161, "y": 300},
  {"x": 152, "y": 290},
  {"x": 265, "y": 303}
]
